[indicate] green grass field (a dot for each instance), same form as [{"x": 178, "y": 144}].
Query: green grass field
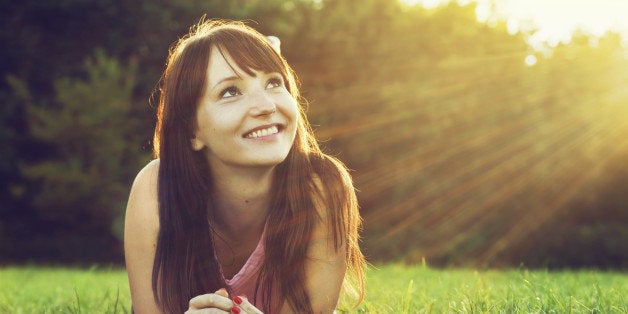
[{"x": 391, "y": 289}]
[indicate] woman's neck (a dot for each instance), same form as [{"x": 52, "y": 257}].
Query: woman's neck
[{"x": 242, "y": 199}]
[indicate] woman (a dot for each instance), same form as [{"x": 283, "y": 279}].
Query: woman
[{"x": 241, "y": 211}]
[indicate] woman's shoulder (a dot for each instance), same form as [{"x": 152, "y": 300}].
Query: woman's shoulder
[
  {"x": 332, "y": 185},
  {"x": 143, "y": 203},
  {"x": 141, "y": 229},
  {"x": 151, "y": 169},
  {"x": 147, "y": 177},
  {"x": 331, "y": 175}
]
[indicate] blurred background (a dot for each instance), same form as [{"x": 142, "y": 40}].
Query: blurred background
[{"x": 480, "y": 133}]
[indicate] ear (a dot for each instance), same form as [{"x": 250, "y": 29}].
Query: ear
[{"x": 197, "y": 144}]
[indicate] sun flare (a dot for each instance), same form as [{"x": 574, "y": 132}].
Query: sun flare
[
  {"x": 549, "y": 22},
  {"x": 490, "y": 147}
]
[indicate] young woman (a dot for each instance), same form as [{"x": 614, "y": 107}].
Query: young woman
[{"x": 241, "y": 211}]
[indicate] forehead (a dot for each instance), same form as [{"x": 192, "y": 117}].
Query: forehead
[{"x": 221, "y": 66}]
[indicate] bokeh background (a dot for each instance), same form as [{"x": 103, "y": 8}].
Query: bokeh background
[{"x": 472, "y": 142}]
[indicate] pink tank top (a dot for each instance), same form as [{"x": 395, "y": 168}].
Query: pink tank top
[{"x": 244, "y": 282}]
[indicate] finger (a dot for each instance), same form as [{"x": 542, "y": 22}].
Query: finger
[
  {"x": 207, "y": 311},
  {"x": 275, "y": 43},
  {"x": 211, "y": 300},
  {"x": 222, "y": 292},
  {"x": 245, "y": 306}
]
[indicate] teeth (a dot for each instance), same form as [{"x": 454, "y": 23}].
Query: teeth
[{"x": 265, "y": 132}]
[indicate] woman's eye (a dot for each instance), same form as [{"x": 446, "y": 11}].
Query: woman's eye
[
  {"x": 274, "y": 82},
  {"x": 230, "y": 92}
]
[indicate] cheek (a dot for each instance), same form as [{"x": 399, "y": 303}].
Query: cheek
[
  {"x": 207, "y": 125},
  {"x": 292, "y": 109},
  {"x": 210, "y": 120},
  {"x": 201, "y": 118}
]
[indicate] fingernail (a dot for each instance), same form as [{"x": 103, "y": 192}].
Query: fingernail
[
  {"x": 235, "y": 310},
  {"x": 237, "y": 300}
]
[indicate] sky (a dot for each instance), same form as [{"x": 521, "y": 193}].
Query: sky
[{"x": 554, "y": 20}]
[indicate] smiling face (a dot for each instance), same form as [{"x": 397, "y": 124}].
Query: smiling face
[{"x": 244, "y": 120}]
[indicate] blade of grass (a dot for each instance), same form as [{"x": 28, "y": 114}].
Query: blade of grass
[{"x": 406, "y": 303}]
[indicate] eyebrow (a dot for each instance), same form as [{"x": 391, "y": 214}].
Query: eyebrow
[{"x": 226, "y": 79}]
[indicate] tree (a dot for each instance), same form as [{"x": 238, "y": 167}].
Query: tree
[{"x": 83, "y": 184}]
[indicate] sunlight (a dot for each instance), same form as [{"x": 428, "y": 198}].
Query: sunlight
[
  {"x": 555, "y": 21},
  {"x": 480, "y": 161},
  {"x": 520, "y": 156},
  {"x": 428, "y": 4},
  {"x": 530, "y": 60},
  {"x": 549, "y": 22}
]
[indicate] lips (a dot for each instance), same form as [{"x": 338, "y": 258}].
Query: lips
[{"x": 263, "y": 131}]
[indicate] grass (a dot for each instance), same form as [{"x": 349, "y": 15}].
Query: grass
[
  {"x": 419, "y": 289},
  {"x": 63, "y": 290},
  {"x": 391, "y": 289}
]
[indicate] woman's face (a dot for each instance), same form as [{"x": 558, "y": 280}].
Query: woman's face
[{"x": 243, "y": 120}]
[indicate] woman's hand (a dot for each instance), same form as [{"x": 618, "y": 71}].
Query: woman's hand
[
  {"x": 244, "y": 306},
  {"x": 219, "y": 302}
]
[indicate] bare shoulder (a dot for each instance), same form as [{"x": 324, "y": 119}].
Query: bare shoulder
[
  {"x": 140, "y": 237},
  {"x": 332, "y": 189},
  {"x": 143, "y": 196},
  {"x": 142, "y": 212},
  {"x": 147, "y": 177}
]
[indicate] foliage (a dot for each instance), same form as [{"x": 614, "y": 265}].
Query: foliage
[
  {"x": 84, "y": 179},
  {"x": 391, "y": 288},
  {"x": 462, "y": 153}
]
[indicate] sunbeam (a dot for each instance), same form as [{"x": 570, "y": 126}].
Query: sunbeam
[{"x": 474, "y": 162}]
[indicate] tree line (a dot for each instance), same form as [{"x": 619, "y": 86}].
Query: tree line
[{"x": 462, "y": 153}]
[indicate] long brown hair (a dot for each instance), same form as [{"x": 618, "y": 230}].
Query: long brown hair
[{"x": 185, "y": 263}]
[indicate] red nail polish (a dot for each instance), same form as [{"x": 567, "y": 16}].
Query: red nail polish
[
  {"x": 237, "y": 300},
  {"x": 235, "y": 310}
]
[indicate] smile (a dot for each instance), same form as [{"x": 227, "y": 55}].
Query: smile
[{"x": 263, "y": 132}]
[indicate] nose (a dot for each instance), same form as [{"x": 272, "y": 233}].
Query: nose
[{"x": 262, "y": 104}]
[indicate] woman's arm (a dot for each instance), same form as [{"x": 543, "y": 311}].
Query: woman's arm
[
  {"x": 140, "y": 238},
  {"x": 325, "y": 269},
  {"x": 326, "y": 264}
]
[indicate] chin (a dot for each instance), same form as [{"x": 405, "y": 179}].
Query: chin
[
  {"x": 271, "y": 162},
  {"x": 273, "y": 159}
]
